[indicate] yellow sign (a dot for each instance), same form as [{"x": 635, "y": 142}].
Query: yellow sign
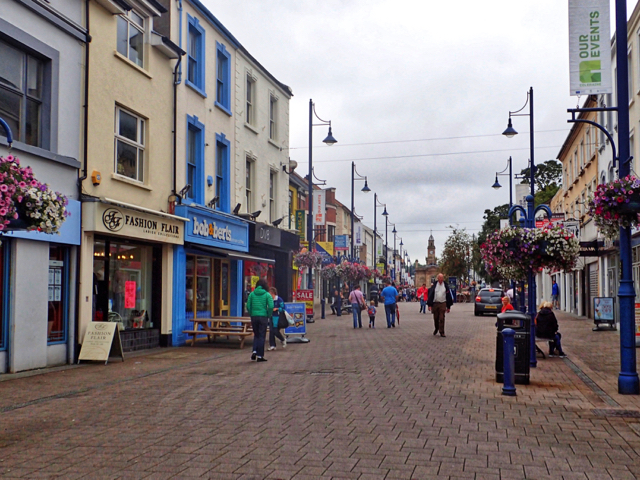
[
  {"x": 99, "y": 342},
  {"x": 326, "y": 246}
]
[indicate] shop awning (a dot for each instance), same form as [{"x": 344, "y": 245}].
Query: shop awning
[{"x": 231, "y": 255}]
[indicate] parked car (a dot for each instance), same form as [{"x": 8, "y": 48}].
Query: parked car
[{"x": 489, "y": 300}]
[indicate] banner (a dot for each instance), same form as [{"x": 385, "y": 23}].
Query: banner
[
  {"x": 357, "y": 234},
  {"x": 326, "y": 250},
  {"x": 589, "y": 47},
  {"x": 300, "y": 223},
  {"x": 319, "y": 207}
]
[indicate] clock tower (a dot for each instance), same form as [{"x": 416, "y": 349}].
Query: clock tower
[{"x": 431, "y": 251}]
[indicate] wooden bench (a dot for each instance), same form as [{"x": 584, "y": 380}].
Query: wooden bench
[{"x": 220, "y": 327}]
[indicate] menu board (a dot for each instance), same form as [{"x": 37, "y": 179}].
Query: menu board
[{"x": 100, "y": 341}]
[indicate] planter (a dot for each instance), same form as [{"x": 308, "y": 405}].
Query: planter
[{"x": 632, "y": 207}]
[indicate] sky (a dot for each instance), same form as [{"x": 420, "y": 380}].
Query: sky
[{"x": 418, "y": 94}]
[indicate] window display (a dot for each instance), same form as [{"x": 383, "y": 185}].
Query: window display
[
  {"x": 207, "y": 287},
  {"x": 254, "y": 271}
]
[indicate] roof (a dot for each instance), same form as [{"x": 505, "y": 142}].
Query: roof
[{"x": 577, "y": 125}]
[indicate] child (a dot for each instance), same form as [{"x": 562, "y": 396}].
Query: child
[{"x": 372, "y": 314}]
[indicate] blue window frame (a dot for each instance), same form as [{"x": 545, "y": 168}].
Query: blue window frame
[
  {"x": 223, "y": 183},
  {"x": 223, "y": 78},
  {"x": 58, "y": 316},
  {"x": 195, "y": 159},
  {"x": 196, "y": 56}
]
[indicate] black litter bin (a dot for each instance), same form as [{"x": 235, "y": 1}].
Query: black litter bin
[
  {"x": 374, "y": 295},
  {"x": 521, "y": 324}
]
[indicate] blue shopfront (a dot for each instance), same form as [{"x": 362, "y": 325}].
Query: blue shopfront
[{"x": 207, "y": 269}]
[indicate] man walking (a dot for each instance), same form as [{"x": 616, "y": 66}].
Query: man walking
[
  {"x": 555, "y": 294},
  {"x": 439, "y": 301},
  {"x": 422, "y": 297},
  {"x": 390, "y": 296},
  {"x": 357, "y": 305}
]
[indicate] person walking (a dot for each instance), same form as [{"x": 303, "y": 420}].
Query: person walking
[
  {"x": 274, "y": 331},
  {"x": 389, "y": 295},
  {"x": 371, "y": 311},
  {"x": 547, "y": 327},
  {"x": 357, "y": 305},
  {"x": 555, "y": 294},
  {"x": 422, "y": 298},
  {"x": 260, "y": 308},
  {"x": 439, "y": 301}
]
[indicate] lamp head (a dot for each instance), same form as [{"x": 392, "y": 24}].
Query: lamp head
[
  {"x": 366, "y": 186},
  {"x": 496, "y": 185},
  {"x": 330, "y": 140},
  {"x": 394, "y": 230},
  {"x": 401, "y": 244},
  {"x": 385, "y": 213},
  {"x": 510, "y": 131}
]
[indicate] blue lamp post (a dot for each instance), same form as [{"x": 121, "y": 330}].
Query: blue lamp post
[
  {"x": 7, "y": 131},
  {"x": 366, "y": 188}
]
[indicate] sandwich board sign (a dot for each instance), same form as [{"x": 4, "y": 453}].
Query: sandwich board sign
[{"x": 100, "y": 341}]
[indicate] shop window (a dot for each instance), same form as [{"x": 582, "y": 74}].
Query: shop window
[
  {"x": 254, "y": 271},
  {"x": 207, "y": 287},
  {"x": 123, "y": 276},
  {"x": 58, "y": 314}
]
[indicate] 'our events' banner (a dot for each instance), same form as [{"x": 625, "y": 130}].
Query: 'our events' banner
[{"x": 589, "y": 47}]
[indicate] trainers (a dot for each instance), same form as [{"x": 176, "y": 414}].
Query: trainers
[
  {"x": 253, "y": 356},
  {"x": 562, "y": 355},
  {"x": 261, "y": 359},
  {"x": 271, "y": 348},
  {"x": 551, "y": 355},
  {"x": 284, "y": 343}
]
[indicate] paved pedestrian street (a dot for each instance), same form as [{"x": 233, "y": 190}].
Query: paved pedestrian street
[{"x": 368, "y": 404}]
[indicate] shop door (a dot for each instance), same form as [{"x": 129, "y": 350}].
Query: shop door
[{"x": 222, "y": 292}]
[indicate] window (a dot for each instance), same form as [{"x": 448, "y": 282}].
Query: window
[
  {"x": 131, "y": 37},
  {"x": 583, "y": 159},
  {"x": 570, "y": 173},
  {"x": 129, "y": 145},
  {"x": 247, "y": 185},
  {"x": 631, "y": 150},
  {"x": 612, "y": 174},
  {"x": 273, "y": 112},
  {"x": 331, "y": 233},
  {"x": 195, "y": 159},
  {"x": 588, "y": 144},
  {"x": 272, "y": 199},
  {"x": 223, "y": 78},
  {"x": 630, "y": 75},
  {"x": 223, "y": 183},
  {"x": 21, "y": 94},
  {"x": 58, "y": 295},
  {"x": 250, "y": 93},
  {"x": 195, "y": 55}
]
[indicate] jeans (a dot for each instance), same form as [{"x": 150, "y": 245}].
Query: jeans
[
  {"x": 372, "y": 321},
  {"x": 556, "y": 344},
  {"x": 357, "y": 315},
  {"x": 423, "y": 306},
  {"x": 259, "y": 325},
  {"x": 390, "y": 310},
  {"x": 274, "y": 332}
]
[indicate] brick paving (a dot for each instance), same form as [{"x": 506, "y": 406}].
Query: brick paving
[{"x": 352, "y": 404}]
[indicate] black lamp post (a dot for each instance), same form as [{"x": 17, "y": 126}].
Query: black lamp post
[
  {"x": 375, "y": 225},
  {"x": 386, "y": 241},
  {"x": 329, "y": 140},
  {"x": 394, "y": 231},
  {"x": 366, "y": 188}
]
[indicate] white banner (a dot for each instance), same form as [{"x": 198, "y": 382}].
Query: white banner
[
  {"x": 357, "y": 239},
  {"x": 319, "y": 207},
  {"x": 589, "y": 47}
]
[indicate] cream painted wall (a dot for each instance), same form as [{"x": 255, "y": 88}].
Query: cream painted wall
[{"x": 253, "y": 140}]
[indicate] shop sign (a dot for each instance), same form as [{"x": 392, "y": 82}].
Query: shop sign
[
  {"x": 215, "y": 229},
  {"x": 319, "y": 206},
  {"x": 300, "y": 223},
  {"x": 591, "y": 249},
  {"x": 298, "y": 312},
  {"x": 305, "y": 296},
  {"x": 107, "y": 218},
  {"x": 340, "y": 242},
  {"x": 326, "y": 250},
  {"x": 101, "y": 340},
  {"x": 267, "y": 234}
]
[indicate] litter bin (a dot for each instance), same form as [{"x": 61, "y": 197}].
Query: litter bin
[
  {"x": 374, "y": 294},
  {"x": 521, "y": 324}
]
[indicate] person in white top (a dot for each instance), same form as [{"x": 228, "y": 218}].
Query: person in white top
[{"x": 439, "y": 301}]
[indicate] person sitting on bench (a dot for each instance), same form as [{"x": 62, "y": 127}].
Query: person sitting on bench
[{"x": 547, "y": 327}]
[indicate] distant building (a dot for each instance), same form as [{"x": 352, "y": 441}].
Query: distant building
[{"x": 429, "y": 273}]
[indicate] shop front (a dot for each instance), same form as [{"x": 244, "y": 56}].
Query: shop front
[
  {"x": 208, "y": 268},
  {"x": 128, "y": 271},
  {"x": 37, "y": 294}
]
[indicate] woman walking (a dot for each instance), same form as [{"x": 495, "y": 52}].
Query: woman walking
[
  {"x": 274, "y": 331},
  {"x": 357, "y": 304},
  {"x": 260, "y": 308}
]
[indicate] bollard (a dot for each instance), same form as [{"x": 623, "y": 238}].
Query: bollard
[
  {"x": 322, "y": 302},
  {"x": 508, "y": 387}
]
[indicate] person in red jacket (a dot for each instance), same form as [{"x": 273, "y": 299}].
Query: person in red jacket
[
  {"x": 422, "y": 298},
  {"x": 506, "y": 304}
]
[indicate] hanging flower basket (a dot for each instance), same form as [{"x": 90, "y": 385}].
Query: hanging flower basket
[
  {"x": 511, "y": 252},
  {"x": 616, "y": 205},
  {"x": 26, "y": 203},
  {"x": 349, "y": 272},
  {"x": 307, "y": 259}
]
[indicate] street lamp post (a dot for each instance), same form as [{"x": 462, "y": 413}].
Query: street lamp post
[
  {"x": 375, "y": 225},
  {"x": 386, "y": 243},
  {"x": 329, "y": 140},
  {"x": 395, "y": 267},
  {"x": 366, "y": 188}
]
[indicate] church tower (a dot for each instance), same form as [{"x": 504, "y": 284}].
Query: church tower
[{"x": 431, "y": 251}]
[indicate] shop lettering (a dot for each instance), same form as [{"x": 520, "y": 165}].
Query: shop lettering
[
  {"x": 170, "y": 229},
  {"x": 205, "y": 229},
  {"x": 140, "y": 222}
]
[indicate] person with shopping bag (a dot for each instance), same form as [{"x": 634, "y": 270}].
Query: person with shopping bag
[{"x": 278, "y": 321}]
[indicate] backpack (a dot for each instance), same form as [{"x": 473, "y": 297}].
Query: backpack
[{"x": 371, "y": 311}]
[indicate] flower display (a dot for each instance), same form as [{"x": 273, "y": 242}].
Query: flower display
[
  {"x": 615, "y": 205},
  {"x": 26, "y": 203},
  {"x": 307, "y": 259},
  {"x": 349, "y": 272},
  {"x": 512, "y": 251}
]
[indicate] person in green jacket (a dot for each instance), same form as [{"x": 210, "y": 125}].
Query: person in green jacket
[{"x": 260, "y": 308}]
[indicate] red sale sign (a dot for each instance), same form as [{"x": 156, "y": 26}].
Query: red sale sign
[
  {"x": 129, "y": 294},
  {"x": 306, "y": 296}
]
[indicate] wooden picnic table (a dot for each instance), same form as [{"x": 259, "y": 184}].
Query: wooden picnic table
[{"x": 220, "y": 327}]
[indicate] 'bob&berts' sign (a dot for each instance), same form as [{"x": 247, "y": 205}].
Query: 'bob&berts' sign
[
  {"x": 105, "y": 218},
  {"x": 214, "y": 229}
]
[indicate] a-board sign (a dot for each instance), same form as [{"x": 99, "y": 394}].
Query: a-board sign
[
  {"x": 306, "y": 296},
  {"x": 299, "y": 314},
  {"x": 603, "y": 311},
  {"x": 101, "y": 340}
]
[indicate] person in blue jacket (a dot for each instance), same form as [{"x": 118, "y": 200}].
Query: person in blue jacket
[
  {"x": 389, "y": 295},
  {"x": 274, "y": 331}
]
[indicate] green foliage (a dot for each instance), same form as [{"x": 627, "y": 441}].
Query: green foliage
[
  {"x": 456, "y": 254},
  {"x": 492, "y": 221},
  {"x": 547, "y": 174}
]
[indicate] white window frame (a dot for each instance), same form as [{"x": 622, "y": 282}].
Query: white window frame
[
  {"x": 273, "y": 180},
  {"x": 138, "y": 144},
  {"x": 143, "y": 30},
  {"x": 249, "y": 98},
  {"x": 249, "y": 175},
  {"x": 273, "y": 117}
]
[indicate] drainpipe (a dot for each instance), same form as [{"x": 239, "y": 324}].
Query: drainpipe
[
  {"x": 176, "y": 82},
  {"x": 179, "y": 78}
]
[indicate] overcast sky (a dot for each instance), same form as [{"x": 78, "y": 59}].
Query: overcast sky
[{"x": 418, "y": 94}]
